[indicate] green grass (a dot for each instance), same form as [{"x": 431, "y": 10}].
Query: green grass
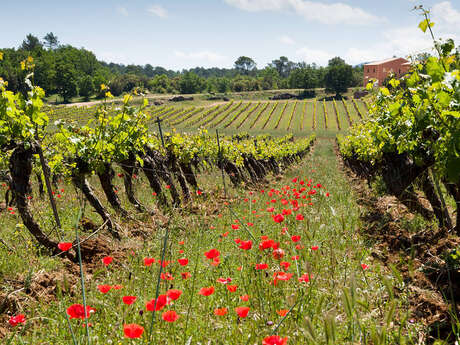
[{"x": 341, "y": 301}]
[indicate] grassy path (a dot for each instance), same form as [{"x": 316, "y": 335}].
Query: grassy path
[{"x": 314, "y": 276}]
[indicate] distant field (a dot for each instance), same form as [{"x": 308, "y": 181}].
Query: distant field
[{"x": 243, "y": 115}]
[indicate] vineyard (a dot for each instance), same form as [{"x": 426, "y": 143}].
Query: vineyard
[
  {"x": 239, "y": 222},
  {"x": 287, "y": 116}
]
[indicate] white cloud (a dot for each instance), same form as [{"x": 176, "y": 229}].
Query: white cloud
[
  {"x": 446, "y": 20},
  {"x": 285, "y": 39},
  {"x": 201, "y": 55},
  {"x": 158, "y": 10},
  {"x": 446, "y": 13},
  {"x": 122, "y": 10},
  {"x": 317, "y": 56},
  {"x": 333, "y": 13}
]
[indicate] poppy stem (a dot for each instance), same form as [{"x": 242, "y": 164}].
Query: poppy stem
[
  {"x": 82, "y": 277},
  {"x": 191, "y": 295},
  {"x": 288, "y": 313},
  {"x": 74, "y": 339},
  {"x": 244, "y": 225},
  {"x": 157, "y": 290}
]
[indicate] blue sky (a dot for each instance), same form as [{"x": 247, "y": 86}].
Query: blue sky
[{"x": 180, "y": 34}]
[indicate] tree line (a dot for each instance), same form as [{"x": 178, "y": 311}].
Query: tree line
[{"x": 69, "y": 72}]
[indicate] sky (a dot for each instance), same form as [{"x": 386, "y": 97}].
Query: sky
[{"x": 178, "y": 34}]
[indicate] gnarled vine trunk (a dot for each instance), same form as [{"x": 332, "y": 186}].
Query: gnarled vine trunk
[
  {"x": 163, "y": 172},
  {"x": 172, "y": 162},
  {"x": 442, "y": 214},
  {"x": 128, "y": 167},
  {"x": 105, "y": 177},
  {"x": 150, "y": 172},
  {"x": 80, "y": 181},
  {"x": 20, "y": 166}
]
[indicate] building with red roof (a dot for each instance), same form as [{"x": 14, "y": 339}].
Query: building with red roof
[{"x": 379, "y": 70}]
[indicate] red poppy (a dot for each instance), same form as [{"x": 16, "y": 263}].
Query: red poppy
[
  {"x": 166, "y": 276},
  {"x": 278, "y": 218},
  {"x": 294, "y": 180},
  {"x": 215, "y": 261},
  {"x": 242, "y": 311},
  {"x": 304, "y": 278},
  {"x": 213, "y": 253},
  {"x": 261, "y": 266},
  {"x": 167, "y": 186},
  {"x": 76, "y": 311},
  {"x": 295, "y": 238},
  {"x": 174, "y": 294},
  {"x": 274, "y": 340},
  {"x": 185, "y": 275},
  {"x": 170, "y": 316},
  {"x": 287, "y": 212},
  {"x": 104, "y": 288},
  {"x": 183, "y": 262},
  {"x": 278, "y": 253},
  {"x": 232, "y": 288},
  {"x": 221, "y": 311},
  {"x": 299, "y": 247},
  {"x": 299, "y": 217},
  {"x": 245, "y": 245},
  {"x": 129, "y": 299},
  {"x": 282, "y": 312},
  {"x": 270, "y": 209},
  {"x": 206, "y": 291},
  {"x": 235, "y": 226},
  {"x": 285, "y": 264},
  {"x": 117, "y": 287},
  {"x": 15, "y": 320},
  {"x": 294, "y": 258},
  {"x": 64, "y": 246},
  {"x": 224, "y": 280},
  {"x": 327, "y": 194},
  {"x": 107, "y": 260},
  {"x": 164, "y": 263},
  {"x": 160, "y": 303},
  {"x": 148, "y": 261},
  {"x": 281, "y": 276},
  {"x": 133, "y": 330},
  {"x": 364, "y": 266},
  {"x": 244, "y": 298},
  {"x": 199, "y": 192},
  {"x": 314, "y": 248}
]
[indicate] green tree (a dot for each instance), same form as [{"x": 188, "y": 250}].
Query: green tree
[
  {"x": 283, "y": 66},
  {"x": 306, "y": 77},
  {"x": 86, "y": 87},
  {"x": 245, "y": 65},
  {"x": 161, "y": 84},
  {"x": 191, "y": 83},
  {"x": 31, "y": 43},
  {"x": 66, "y": 80},
  {"x": 269, "y": 78},
  {"x": 223, "y": 85},
  {"x": 51, "y": 40},
  {"x": 338, "y": 77}
]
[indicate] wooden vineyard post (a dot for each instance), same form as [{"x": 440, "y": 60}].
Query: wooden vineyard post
[
  {"x": 46, "y": 173},
  {"x": 158, "y": 120}
]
